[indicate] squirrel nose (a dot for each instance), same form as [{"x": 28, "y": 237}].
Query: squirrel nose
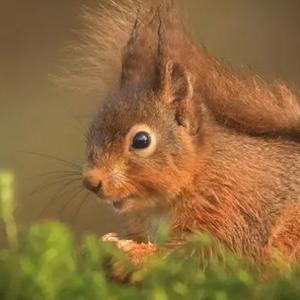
[{"x": 93, "y": 186}]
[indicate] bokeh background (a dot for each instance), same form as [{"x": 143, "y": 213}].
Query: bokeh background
[{"x": 38, "y": 116}]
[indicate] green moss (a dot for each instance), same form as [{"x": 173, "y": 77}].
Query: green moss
[{"x": 44, "y": 263}]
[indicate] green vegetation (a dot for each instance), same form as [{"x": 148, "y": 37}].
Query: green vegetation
[{"x": 43, "y": 262}]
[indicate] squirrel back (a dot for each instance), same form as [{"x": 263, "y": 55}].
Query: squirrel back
[{"x": 183, "y": 138}]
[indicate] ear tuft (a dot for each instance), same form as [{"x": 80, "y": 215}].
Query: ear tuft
[{"x": 139, "y": 60}]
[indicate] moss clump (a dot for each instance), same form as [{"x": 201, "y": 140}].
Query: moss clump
[{"x": 43, "y": 263}]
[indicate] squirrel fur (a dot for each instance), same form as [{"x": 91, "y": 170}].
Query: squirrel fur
[{"x": 224, "y": 156}]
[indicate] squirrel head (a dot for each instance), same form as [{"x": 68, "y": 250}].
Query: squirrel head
[{"x": 142, "y": 145}]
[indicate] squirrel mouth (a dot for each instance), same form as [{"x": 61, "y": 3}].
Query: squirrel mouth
[{"x": 118, "y": 204}]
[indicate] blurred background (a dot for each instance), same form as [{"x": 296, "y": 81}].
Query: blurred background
[{"x": 38, "y": 116}]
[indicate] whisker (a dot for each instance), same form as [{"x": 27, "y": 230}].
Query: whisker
[
  {"x": 71, "y": 198},
  {"x": 79, "y": 207},
  {"x": 41, "y": 188},
  {"x": 54, "y": 173},
  {"x": 59, "y": 193},
  {"x": 48, "y": 156},
  {"x": 62, "y": 177}
]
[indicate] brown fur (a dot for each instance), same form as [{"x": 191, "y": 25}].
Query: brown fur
[{"x": 227, "y": 159}]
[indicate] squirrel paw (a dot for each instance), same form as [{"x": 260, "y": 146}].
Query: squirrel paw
[{"x": 137, "y": 252}]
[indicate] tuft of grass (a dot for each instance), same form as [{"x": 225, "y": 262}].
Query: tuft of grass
[
  {"x": 44, "y": 263},
  {"x": 7, "y": 207}
]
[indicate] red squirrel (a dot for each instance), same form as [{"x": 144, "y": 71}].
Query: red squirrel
[{"x": 183, "y": 138}]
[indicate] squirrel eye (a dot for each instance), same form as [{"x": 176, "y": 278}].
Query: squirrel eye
[{"x": 141, "y": 140}]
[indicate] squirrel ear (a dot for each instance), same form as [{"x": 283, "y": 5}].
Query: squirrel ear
[
  {"x": 177, "y": 90},
  {"x": 176, "y": 83}
]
